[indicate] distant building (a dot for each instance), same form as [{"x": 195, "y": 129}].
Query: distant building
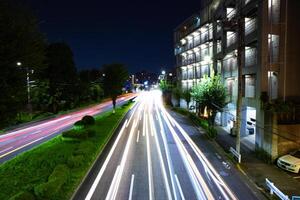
[{"x": 205, "y": 44}]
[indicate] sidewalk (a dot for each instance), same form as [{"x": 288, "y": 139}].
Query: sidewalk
[{"x": 257, "y": 170}]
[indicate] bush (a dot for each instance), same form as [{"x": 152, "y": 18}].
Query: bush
[
  {"x": 212, "y": 132},
  {"x": 78, "y": 134},
  {"x": 88, "y": 120},
  {"x": 55, "y": 181},
  {"x": 85, "y": 148},
  {"x": 75, "y": 161},
  {"x": 78, "y": 123},
  {"x": 23, "y": 196}
]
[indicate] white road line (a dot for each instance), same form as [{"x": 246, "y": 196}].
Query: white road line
[
  {"x": 9, "y": 148},
  {"x": 138, "y": 136},
  {"x": 131, "y": 187},
  {"x": 179, "y": 187},
  {"x": 115, "y": 187},
  {"x": 163, "y": 168},
  {"x": 150, "y": 181},
  {"x": 92, "y": 189},
  {"x": 21, "y": 147},
  {"x": 212, "y": 172},
  {"x": 167, "y": 152},
  {"x": 113, "y": 182}
]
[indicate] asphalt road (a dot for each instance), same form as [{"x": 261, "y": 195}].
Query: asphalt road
[
  {"x": 153, "y": 157},
  {"x": 19, "y": 140}
]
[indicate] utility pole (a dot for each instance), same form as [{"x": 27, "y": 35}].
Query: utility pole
[{"x": 241, "y": 40}]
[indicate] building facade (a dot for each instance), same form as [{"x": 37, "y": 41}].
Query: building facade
[{"x": 207, "y": 43}]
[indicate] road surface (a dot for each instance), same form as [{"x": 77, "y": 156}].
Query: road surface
[
  {"x": 153, "y": 157},
  {"x": 16, "y": 141}
]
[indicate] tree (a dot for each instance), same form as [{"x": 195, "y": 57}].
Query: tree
[
  {"x": 211, "y": 94},
  {"x": 176, "y": 91},
  {"x": 186, "y": 95},
  {"x": 62, "y": 75},
  {"x": 166, "y": 89},
  {"x": 114, "y": 78},
  {"x": 20, "y": 41}
]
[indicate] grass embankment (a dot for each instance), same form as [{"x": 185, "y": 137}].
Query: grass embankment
[{"x": 54, "y": 169}]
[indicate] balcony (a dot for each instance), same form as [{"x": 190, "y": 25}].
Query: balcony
[
  {"x": 250, "y": 25},
  {"x": 250, "y": 57},
  {"x": 231, "y": 38}
]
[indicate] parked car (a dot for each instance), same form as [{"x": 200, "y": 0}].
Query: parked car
[{"x": 290, "y": 162}]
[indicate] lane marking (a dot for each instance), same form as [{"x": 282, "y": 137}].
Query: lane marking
[
  {"x": 131, "y": 187},
  {"x": 167, "y": 152},
  {"x": 6, "y": 149},
  {"x": 138, "y": 136},
  {"x": 23, "y": 146},
  {"x": 150, "y": 181},
  {"x": 222, "y": 186},
  {"x": 111, "y": 190},
  {"x": 179, "y": 187},
  {"x": 97, "y": 180},
  {"x": 114, "y": 187}
]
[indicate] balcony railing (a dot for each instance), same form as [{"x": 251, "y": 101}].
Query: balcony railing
[
  {"x": 231, "y": 38},
  {"x": 250, "y": 25}
]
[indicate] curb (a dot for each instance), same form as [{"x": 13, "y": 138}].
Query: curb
[{"x": 112, "y": 133}]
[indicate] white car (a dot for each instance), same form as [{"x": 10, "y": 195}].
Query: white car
[{"x": 290, "y": 162}]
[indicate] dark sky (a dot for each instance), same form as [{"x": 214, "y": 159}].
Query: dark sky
[{"x": 137, "y": 33}]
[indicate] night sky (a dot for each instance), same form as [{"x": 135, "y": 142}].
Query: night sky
[{"x": 136, "y": 33}]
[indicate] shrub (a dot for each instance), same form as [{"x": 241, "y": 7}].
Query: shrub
[
  {"x": 88, "y": 120},
  {"x": 76, "y": 134},
  {"x": 85, "y": 148},
  {"x": 23, "y": 196},
  {"x": 212, "y": 132},
  {"x": 75, "y": 161},
  {"x": 78, "y": 123},
  {"x": 55, "y": 181}
]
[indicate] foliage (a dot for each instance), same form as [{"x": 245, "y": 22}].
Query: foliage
[
  {"x": 20, "y": 41},
  {"x": 115, "y": 76},
  {"x": 186, "y": 95},
  {"x": 55, "y": 181},
  {"x": 88, "y": 120},
  {"x": 211, "y": 94},
  {"x": 23, "y": 196},
  {"x": 34, "y": 167},
  {"x": 80, "y": 134},
  {"x": 62, "y": 75},
  {"x": 176, "y": 91},
  {"x": 165, "y": 86}
]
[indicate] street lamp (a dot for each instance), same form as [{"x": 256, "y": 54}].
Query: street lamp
[
  {"x": 28, "y": 82},
  {"x": 163, "y": 72}
]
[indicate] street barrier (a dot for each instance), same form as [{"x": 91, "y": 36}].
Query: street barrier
[
  {"x": 274, "y": 189},
  {"x": 236, "y": 154}
]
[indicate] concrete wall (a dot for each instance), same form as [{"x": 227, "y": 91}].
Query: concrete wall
[{"x": 288, "y": 139}]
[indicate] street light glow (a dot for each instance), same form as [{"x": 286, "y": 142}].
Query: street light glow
[
  {"x": 19, "y": 63},
  {"x": 163, "y": 72}
]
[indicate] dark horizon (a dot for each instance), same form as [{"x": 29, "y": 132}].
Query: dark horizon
[{"x": 138, "y": 34}]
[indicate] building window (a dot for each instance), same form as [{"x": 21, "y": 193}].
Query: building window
[
  {"x": 250, "y": 56},
  {"x": 249, "y": 86},
  {"x": 230, "y": 13},
  {"x": 231, "y": 38},
  {"x": 273, "y": 84},
  {"x": 204, "y": 70},
  {"x": 274, "y": 11},
  {"x": 231, "y": 85},
  {"x": 250, "y": 25},
  {"x": 219, "y": 46},
  {"x": 273, "y": 45},
  {"x": 229, "y": 64}
]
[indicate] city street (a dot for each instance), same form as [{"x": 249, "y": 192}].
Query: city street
[
  {"x": 17, "y": 141},
  {"x": 153, "y": 157}
]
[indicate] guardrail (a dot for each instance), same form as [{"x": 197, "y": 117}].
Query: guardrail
[
  {"x": 236, "y": 154},
  {"x": 274, "y": 189}
]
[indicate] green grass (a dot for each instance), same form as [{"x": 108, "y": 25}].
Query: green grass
[{"x": 28, "y": 171}]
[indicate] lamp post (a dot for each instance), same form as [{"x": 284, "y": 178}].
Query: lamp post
[{"x": 28, "y": 82}]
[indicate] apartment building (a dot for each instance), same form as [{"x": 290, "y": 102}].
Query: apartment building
[{"x": 207, "y": 43}]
